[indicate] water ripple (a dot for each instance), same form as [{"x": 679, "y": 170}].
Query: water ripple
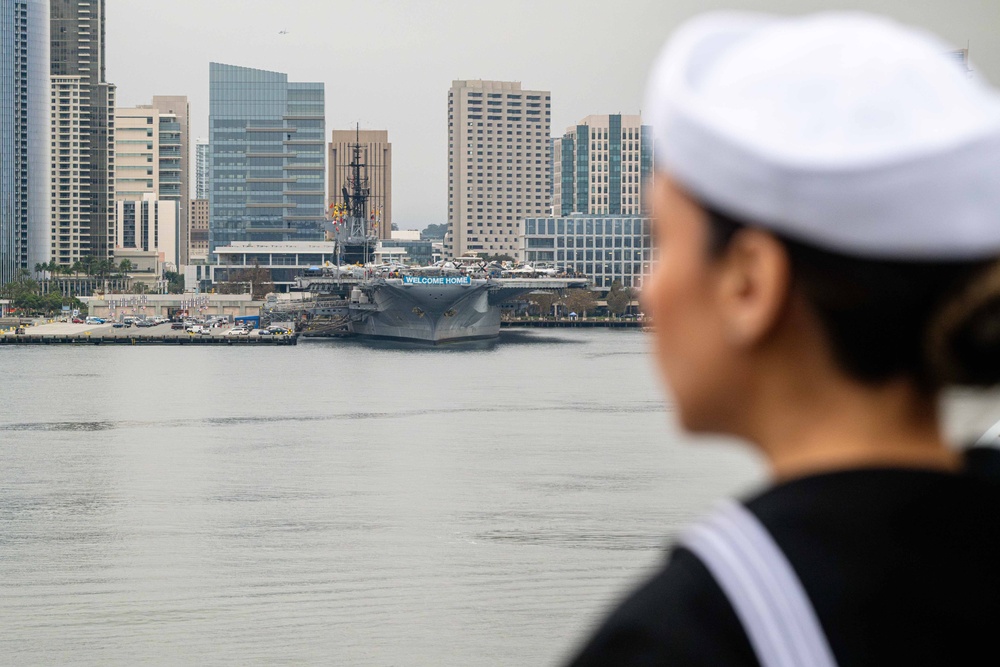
[{"x": 104, "y": 425}]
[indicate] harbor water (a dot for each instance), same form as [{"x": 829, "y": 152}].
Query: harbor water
[{"x": 337, "y": 502}]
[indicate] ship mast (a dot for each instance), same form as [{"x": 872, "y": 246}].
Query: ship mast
[{"x": 356, "y": 240}]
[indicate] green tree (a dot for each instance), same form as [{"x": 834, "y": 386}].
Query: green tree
[
  {"x": 256, "y": 278},
  {"x": 88, "y": 262},
  {"x": 618, "y": 299},
  {"x": 434, "y": 231},
  {"x": 580, "y": 301},
  {"x": 175, "y": 282},
  {"x": 543, "y": 301},
  {"x": 496, "y": 258},
  {"x": 125, "y": 266}
]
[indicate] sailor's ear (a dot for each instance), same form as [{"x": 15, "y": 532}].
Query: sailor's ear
[{"x": 754, "y": 285}]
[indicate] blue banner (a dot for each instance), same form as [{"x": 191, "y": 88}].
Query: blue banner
[{"x": 437, "y": 280}]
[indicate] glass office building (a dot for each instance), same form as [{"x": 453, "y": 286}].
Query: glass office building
[
  {"x": 24, "y": 136},
  {"x": 605, "y": 248},
  {"x": 267, "y": 157}
]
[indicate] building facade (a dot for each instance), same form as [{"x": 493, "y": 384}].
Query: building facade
[
  {"x": 267, "y": 150},
  {"x": 180, "y": 191},
  {"x": 24, "y": 136},
  {"x": 198, "y": 216},
  {"x": 82, "y": 135},
  {"x": 498, "y": 154},
  {"x": 376, "y": 154},
  {"x": 201, "y": 173},
  {"x": 149, "y": 153},
  {"x": 605, "y": 248},
  {"x": 148, "y": 224},
  {"x": 601, "y": 165},
  {"x": 284, "y": 259}
]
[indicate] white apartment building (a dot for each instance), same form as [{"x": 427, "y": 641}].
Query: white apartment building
[
  {"x": 149, "y": 224},
  {"x": 498, "y": 157},
  {"x": 80, "y": 199},
  {"x": 202, "y": 184}
]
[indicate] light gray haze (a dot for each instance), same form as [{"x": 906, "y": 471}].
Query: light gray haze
[{"x": 388, "y": 63}]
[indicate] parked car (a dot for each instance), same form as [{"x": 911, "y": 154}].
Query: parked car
[
  {"x": 264, "y": 332},
  {"x": 122, "y": 325},
  {"x": 77, "y": 320},
  {"x": 194, "y": 328},
  {"x": 176, "y": 325},
  {"x": 237, "y": 332}
]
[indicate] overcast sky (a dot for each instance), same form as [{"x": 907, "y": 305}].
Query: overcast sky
[{"x": 388, "y": 64}]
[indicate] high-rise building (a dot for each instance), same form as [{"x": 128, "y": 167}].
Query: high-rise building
[
  {"x": 376, "y": 154},
  {"x": 600, "y": 166},
  {"x": 198, "y": 250},
  {"x": 267, "y": 146},
  {"x": 83, "y": 134},
  {"x": 24, "y": 136},
  {"x": 201, "y": 172},
  {"x": 176, "y": 166},
  {"x": 149, "y": 151},
  {"x": 498, "y": 154},
  {"x": 148, "y": 224}
]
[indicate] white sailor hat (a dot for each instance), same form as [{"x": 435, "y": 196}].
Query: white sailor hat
[{"x": 844, "y": 130}]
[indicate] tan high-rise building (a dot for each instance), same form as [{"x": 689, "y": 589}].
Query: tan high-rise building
[
  {"x": 151, "y": 151},
  {"x": 198, "y": 217},
  {"x": 376, "y": 153},
  {"x": 179, "y": 107},
  {"x": 498, "y": 156}
]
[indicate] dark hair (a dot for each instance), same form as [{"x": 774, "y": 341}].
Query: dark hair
[{"x": 937, "y": 323}]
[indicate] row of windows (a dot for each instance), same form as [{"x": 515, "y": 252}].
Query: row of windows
[
  {"x": 589, "y": 226},
  {"x": 510, "y": 96}
]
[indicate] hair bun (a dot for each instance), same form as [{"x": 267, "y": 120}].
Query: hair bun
[{"x": 964, "y": 345}]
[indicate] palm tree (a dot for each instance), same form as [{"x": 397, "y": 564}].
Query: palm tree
[
  {"x": 125, "y": 266},
  {"x": 77, "y": 268}
]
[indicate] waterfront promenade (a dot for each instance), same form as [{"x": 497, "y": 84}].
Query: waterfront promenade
[{"x": 66, "y": 333}]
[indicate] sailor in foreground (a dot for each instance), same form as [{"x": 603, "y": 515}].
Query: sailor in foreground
[{"x": 827, "y": 214}]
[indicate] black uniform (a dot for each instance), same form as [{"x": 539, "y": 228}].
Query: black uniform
[{"x": 902, "y": 567}]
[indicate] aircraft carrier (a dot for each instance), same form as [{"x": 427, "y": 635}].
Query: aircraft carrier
[{"x": 428, "y": 305}]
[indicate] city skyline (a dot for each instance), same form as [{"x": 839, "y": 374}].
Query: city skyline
[{"x": 408, "y": 63}]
